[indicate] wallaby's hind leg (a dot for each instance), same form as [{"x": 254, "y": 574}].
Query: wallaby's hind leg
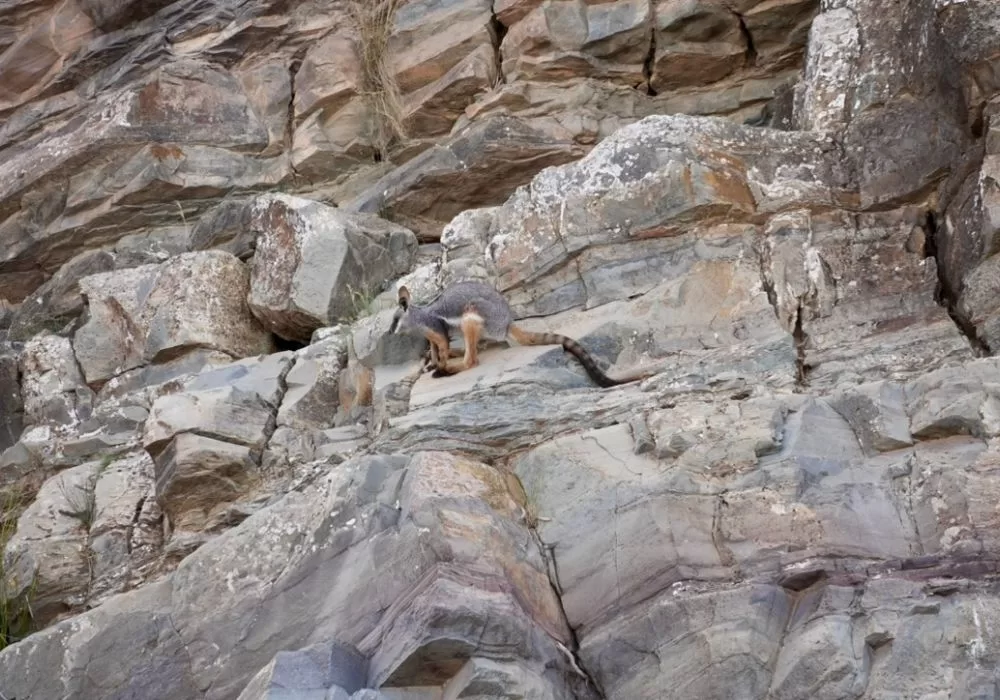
[{"x": 472, "y": 329}]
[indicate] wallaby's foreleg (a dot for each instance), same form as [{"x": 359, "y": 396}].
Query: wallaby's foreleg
[
  {"x": 430, "y": 357},
  {"x": 439, "y": 349}
]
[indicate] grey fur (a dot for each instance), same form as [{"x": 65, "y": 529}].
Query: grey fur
[
  {"x": 436, "y": 320},
  {"x": 445, "y": 312}
]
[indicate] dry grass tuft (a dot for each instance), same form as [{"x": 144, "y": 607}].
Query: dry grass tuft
[{"x": 373, "y": 20}]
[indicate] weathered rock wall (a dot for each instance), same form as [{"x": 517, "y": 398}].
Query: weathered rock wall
[
  {"x": 123, "y": 123},
  {"x": 799, "y": 501}
]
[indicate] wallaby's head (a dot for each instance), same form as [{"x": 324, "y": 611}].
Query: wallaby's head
[{"x": 401, "y": 319}]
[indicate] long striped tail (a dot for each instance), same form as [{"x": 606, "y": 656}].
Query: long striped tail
[{"x": 523, "y": 337}]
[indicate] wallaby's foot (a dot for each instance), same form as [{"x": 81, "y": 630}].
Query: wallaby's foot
[
  {"x": 438, "y": 373},
  {"x": 429, "y": 361}
]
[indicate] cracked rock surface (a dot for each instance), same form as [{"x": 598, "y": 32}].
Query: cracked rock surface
[{"x": 220, "y": 478}]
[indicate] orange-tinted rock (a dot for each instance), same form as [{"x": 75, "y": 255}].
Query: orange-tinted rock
[{"x": 37, "y": 55}]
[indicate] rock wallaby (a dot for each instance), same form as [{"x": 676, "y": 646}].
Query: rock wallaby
[{"x": 481, "y": 313}]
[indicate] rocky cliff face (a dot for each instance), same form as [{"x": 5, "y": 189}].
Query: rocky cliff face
[{"x": 220, "y": 478}]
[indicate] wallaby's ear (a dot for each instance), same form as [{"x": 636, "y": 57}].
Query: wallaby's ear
[{"x": 404, "y": 297}]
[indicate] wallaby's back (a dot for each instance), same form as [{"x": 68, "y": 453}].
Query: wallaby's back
[{"x": 486, "y": 301}]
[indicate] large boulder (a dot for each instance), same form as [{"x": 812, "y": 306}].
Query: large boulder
[
  {"x": 126, "y": 534},
  {"x": 225, "y": 226},
  {"x": 647, "y": 189},
  {"x": 316, "y": 265},
  {"x": 92, "y": 530},
  {"x": 884, "y": 78},
  {"x": 443, "y": 59},
  {"x": 773, "y": 495},
  {"x": 676, "y": 202},
  {"x": 474, "y": 582},
  {"x": 37, "y": 55},
  {"x": 52, "y": 386},
  {"x": 192, "y": 305},
  {"x": 124, "y": 162},
  {"x": 697, "y": 43},
  {"x": 859, "y": 294},
  {"x": 971, "y": 30},
  {"x": 312, "y": 392},
  {"x": 208, "y": 437},
  {"x": 57, "y": 303},
  {"x": 979, "y": 303},
  {"x": 311, "y": 671},
  {"x": 463, "y": 246},
  {"x": 47, "y": 558},
  {"x": 969, "y": 241},
  {"x": 578, "y": 38},
  {"x": 479, "y": 165}
]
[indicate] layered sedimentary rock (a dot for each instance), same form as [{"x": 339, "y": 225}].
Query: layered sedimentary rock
[{"x": 228, "y": 481}]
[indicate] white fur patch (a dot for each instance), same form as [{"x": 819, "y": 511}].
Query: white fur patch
[{"x": 456, "y": 322}]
